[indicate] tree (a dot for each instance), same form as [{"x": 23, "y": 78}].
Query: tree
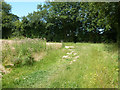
[
  {"x": 0, "y": 20},
  {"x": 56, "y": 21},
  {"x": 7, "y": 20},
  {"x": 66, "y": 20},
  {"x": 106, "y": 17}
]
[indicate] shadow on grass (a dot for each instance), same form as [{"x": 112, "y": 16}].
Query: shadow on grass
[{"x": 111, "y": 47}]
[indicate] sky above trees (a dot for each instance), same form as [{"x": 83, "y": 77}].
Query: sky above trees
[
  {"x": 24, "y": 0},
  {"x": 23, "y": 8}
]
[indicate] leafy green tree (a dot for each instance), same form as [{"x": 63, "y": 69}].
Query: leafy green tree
[
  {"x": 66, "y": 21},
  {"x": 7, "y": 20},
  {"x": 105, "y": 16},
  {"x": 0, "y": 20},
  {"x": 33, "y": 26},
  {"x": 18, "y": 29}
]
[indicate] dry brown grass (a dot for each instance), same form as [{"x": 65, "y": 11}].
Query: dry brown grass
[
  {"x": 54, "y": 45},
  {"x": 10, "y": 42}
]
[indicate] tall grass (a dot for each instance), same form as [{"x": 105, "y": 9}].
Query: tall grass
[
  {"x": 27, "y": 76},
  {"x": 20, "y": 53}
]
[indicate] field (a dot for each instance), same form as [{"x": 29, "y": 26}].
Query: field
[{"x": 70, "y": 65}]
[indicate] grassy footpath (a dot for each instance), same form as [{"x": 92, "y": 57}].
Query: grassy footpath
[
  {"x": 96, "y": 67},
  {"x": 26, "y": 76}
]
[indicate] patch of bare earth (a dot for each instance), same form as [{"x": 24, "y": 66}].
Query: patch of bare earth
[{"x": 39, "y": 56}]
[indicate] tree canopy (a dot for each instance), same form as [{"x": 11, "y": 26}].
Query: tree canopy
[
  {"x": 67, "y": 21},
  {"x": 7, "y": 20}
]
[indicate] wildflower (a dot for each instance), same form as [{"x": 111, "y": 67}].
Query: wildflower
[
  {"x": 77, "y": 57},
  {"x": 74, "y": 60},
  {"x": 69, "y": 53},
  {"x": 64, "y": 57},
  {"x": 75, "y": 53},
  {"x": 66, "y": 47},
  {"x": 69, "y": 47},
  {"x": 11, "y": 64},
  {"x": 72, "y": 52}
]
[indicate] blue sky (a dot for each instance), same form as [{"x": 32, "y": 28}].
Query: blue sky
[{"x": 23, "y": 8}]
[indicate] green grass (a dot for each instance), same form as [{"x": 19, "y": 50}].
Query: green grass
[
  {"x": 33, "y": 73},
  {"x": 96, "y": 67}
]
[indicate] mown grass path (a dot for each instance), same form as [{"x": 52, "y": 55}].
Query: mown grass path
[{"x": 85, "y": 66}]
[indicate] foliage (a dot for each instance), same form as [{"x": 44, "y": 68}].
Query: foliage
[
  {"x": 84, "y": 20},
  {"x": 7, "y": 20},
  {"x": 56, "y": 21}
]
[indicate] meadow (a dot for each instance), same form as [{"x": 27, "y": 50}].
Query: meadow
[
  {"x": 37, "y": 49},
  {"x": 34, "y": 64}
]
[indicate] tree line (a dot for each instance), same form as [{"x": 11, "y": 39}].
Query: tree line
[{"x": 67, "y": 21}]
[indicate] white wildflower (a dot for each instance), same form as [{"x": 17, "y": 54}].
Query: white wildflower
[
  {"x": 69, "y": 53},
  {"x": 75, "y": 53},
  {"x": 64, "y": 57},
  {"x": 66, "y": 47},
  {"x": 69, "y": 47},
  {"x": 72, "y": 52},
  {"x": 76, "y": 57},
  {"x": 74, "y": 60}
]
